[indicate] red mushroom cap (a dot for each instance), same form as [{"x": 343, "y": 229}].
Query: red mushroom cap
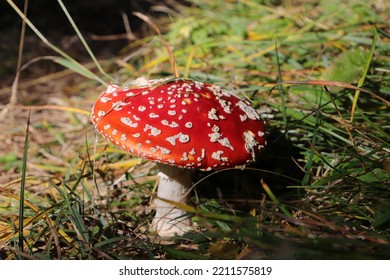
[{"x": 180, "y": 122}]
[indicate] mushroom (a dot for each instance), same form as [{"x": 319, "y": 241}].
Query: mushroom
[{"x": 181, "y": 124}]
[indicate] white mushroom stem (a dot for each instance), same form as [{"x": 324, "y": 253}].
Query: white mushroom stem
[{"x": 170, "y": 219}]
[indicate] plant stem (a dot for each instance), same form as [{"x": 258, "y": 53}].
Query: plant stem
[{"x": 170, "y": 218}]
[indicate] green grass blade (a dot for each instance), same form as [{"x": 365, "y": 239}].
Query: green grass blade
[
  {"x": 364, "y": 74},
  {"x": 275, "y": 199},
  {"x": 81, "y": 37},
  {"x": 51, "y": 46},
  {"x": 23, "y": 185},
  {"x": 281, "y": 88},
  {"x": 75, "y": 67}
]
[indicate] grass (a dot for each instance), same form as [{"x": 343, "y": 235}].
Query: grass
[{"x": 317, "y": 72}]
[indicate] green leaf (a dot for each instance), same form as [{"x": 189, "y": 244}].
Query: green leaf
[
  {"x": 382, "y": 220},
  {"x": 9, "y": 160},
  {"x": 347, "y": 67}
]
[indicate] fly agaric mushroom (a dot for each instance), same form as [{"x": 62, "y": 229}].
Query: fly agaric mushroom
[{"x": 180, "y": 124}]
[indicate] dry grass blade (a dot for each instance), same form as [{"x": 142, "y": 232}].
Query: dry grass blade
[
  {"x": 53, "y": 107},
  {"x": 166, "y": 45}
]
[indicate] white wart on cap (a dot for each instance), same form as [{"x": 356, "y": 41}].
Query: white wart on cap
[{"x": 180, "y": 122}]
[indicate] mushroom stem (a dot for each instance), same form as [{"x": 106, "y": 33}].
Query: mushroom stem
[{"x": 170, "y": 219}]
